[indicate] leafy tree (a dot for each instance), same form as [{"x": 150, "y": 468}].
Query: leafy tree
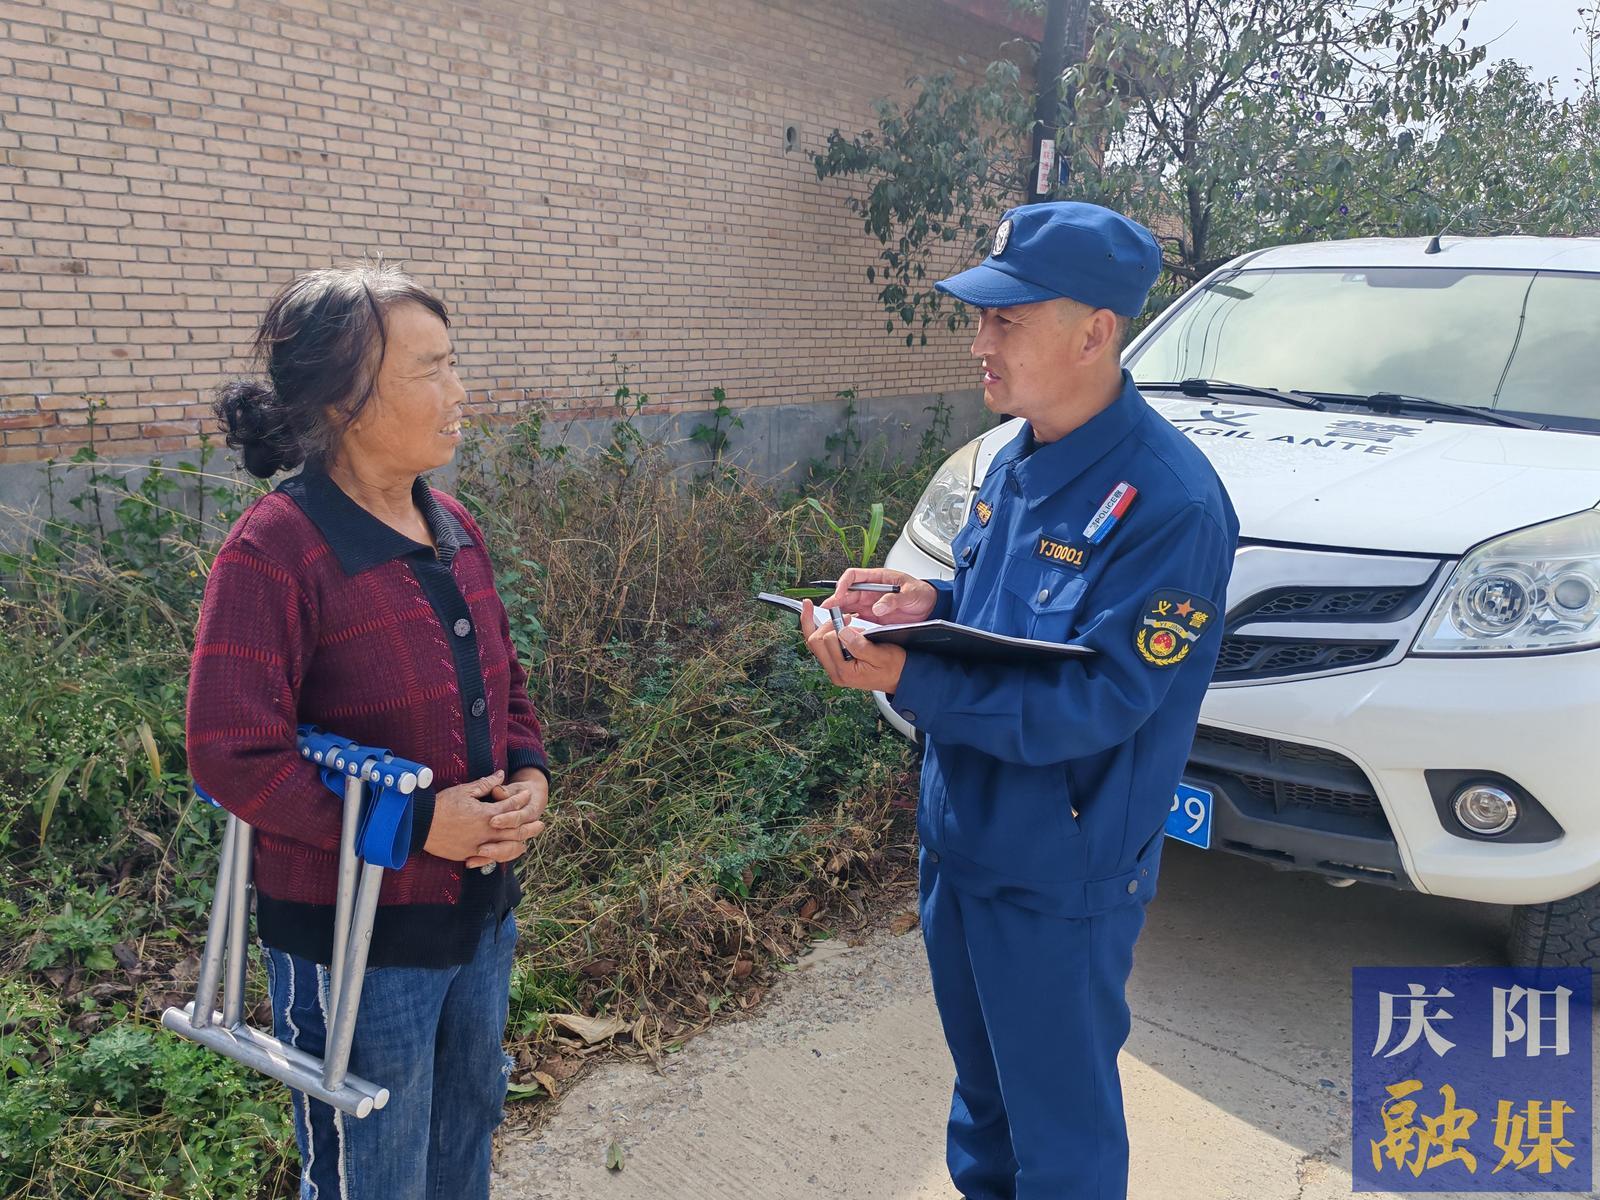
[
  {"x": 1235, "y": 116},
  {"x": 1508, "y": 157},
  {"x": 936, "y": 170},
  {"x": 1222, "y": 124}
]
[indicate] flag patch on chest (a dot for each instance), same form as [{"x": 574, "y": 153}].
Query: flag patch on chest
[
  {"x": 983, "y": 512},
  {"x": 1112, "y": 509},
  {"x": 1172, "y": 625}
]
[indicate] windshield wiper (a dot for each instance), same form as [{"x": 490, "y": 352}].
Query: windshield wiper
[
  {"x": 1399, "y": 402},
  {"x": 1220, "y": 387}
]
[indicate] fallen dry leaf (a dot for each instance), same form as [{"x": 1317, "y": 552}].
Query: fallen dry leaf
[
  {"x": 64, "y": 979},
  {"x": 904, "y": 923},
  {"x": 559, "y": 1069},
  {"x": 593, "y": 1030},
  {"x": 149, "y": 839},
  {"x": 544, "y": 1081},
  {"x": 809, "y": 908}
]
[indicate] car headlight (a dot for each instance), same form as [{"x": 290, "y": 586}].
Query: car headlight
[
  {"x": 1537, "y": 589},
  {"x": 942, "y": 511}
]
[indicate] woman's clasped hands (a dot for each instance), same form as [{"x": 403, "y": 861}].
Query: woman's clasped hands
[{"x": 488, "y": 820}]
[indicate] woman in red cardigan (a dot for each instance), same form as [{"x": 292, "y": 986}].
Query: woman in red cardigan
[{"x": 357, "y": 598}]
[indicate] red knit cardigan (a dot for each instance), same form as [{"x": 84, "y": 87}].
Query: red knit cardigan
[{"x": 317, "y": 612}]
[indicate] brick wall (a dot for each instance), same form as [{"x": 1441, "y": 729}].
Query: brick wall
[{"x": 577, "y": 180}]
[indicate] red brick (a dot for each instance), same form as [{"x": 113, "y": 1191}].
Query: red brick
[{"x": 28, "y": 421}]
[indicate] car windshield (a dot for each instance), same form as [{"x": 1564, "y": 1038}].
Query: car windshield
[{"x": 1520, "y": 342}]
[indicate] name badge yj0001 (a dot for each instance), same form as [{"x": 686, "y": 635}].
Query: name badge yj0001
[{"x": 1073, "y": 554}]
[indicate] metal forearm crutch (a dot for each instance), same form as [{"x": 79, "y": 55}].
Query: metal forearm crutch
[{"x": 377, "y": 833}]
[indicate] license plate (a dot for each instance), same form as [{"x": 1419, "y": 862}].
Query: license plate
[{"x": 1190, "y": 817}]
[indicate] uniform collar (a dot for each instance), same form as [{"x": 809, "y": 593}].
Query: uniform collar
[
  {"x": 358, "y": 539},
  {"x": 1048, "y": 468}
]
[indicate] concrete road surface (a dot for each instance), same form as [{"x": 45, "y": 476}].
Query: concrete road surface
[{"x": 1236, "y": 1073}]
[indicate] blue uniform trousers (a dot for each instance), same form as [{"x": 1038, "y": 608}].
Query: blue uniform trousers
[{"x": 1034, "y": 1010}]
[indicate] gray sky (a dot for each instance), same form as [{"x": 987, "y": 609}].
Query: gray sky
[{"x": 1538, "y": 33}]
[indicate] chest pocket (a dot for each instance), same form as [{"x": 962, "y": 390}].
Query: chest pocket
[
  {"x": 1043, "y": 600},
  {"x": 966, "y": 545}
]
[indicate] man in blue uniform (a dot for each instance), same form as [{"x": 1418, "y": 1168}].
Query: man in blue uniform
[{"x": 1046, "y": 785}]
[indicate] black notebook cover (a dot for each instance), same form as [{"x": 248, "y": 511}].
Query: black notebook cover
[{"x": 953, "y": 640}]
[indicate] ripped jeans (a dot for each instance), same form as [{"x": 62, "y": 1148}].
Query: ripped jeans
[{"x": 432, "y": 1036}]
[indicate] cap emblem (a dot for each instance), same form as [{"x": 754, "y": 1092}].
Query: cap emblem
[{"x": 1002, "y": 237}]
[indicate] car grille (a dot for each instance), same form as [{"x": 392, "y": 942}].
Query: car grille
[
  {"x": 1334, "y": 603},
  {"x": 1288, "y": 775},
  {"x": 1298, "y": 795},
  {"x": 1294, "y": 612},
  {"x": 1262, "y": 658}
]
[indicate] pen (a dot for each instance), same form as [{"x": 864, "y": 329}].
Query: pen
[
  {"x": 874, "y": 587},
  {"x": 838, "y": 627}
]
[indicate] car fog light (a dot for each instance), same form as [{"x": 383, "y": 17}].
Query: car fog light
[{"x": 1485, "y": 809}]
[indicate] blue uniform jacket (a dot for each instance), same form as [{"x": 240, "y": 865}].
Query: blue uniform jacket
[{"x": 1048, "y": 784}]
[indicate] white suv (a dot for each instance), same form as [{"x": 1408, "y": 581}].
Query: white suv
[{"x": 1409, "y": 687}]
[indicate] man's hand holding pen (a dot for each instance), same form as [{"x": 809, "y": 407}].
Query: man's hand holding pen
[
  {"x": 849, "y": 658},
  {"x": 857, "y": 594}
]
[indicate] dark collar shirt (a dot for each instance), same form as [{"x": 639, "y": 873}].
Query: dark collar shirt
[
  {"x": 1048, "y": 783},
  {"x": 316, "y": 612}
]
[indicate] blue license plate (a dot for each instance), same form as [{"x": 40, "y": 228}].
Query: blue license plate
[{"x": 1190, "y": 817}]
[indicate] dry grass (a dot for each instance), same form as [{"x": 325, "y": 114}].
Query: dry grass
[{"x": 717, "y": 805}]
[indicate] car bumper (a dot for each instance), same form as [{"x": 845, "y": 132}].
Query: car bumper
[
  {"x": 1531, "y": 720},
  {"x": 1332, "y": 774}
]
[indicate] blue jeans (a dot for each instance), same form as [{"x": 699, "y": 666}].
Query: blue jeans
[{"x": 433, "y": 1038}]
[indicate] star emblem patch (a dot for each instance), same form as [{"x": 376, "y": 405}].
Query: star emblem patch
[{"x": 1172, "y": 625}]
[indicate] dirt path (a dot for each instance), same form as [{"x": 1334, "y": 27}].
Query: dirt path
[{"x": 1236, "y": 1072}]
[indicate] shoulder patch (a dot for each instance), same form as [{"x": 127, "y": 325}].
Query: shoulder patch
[
  {"x": 983, "y": 512},
  {"x": 1172, "y": 624}
]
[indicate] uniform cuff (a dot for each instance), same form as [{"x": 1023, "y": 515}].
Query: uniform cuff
[
  {"x": 944, "y": 593},
  {"x": 920, "y": 696}
]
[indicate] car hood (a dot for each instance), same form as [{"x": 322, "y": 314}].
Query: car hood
[{"x": 1383, "y": 483}]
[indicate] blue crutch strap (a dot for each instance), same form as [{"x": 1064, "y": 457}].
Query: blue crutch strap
[
  {"x": 384, "y": 835},
  {"x": 387, "y": 815}
]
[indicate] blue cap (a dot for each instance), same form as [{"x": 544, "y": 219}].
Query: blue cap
[{"x": 1063, "y": 249}]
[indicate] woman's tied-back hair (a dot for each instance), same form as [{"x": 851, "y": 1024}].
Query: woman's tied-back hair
[{"x": 320, "y": 343}]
